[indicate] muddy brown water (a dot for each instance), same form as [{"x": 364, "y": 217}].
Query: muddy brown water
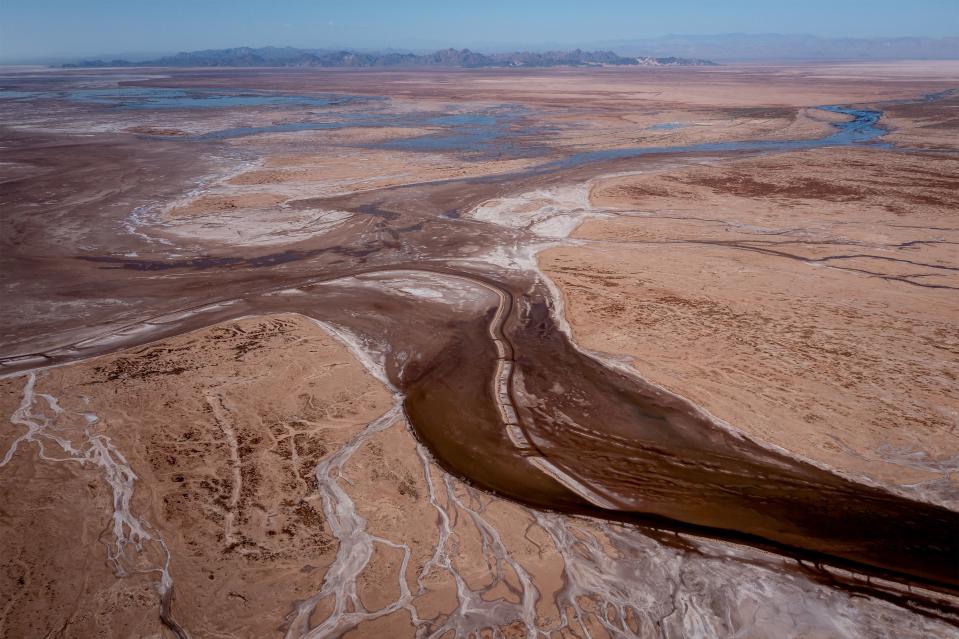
[
  {"x": 655, "y": 459},
  {"x": 654, "y": 456}
]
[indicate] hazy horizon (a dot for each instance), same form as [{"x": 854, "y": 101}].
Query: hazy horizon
[{"x": 56, "y": 29}]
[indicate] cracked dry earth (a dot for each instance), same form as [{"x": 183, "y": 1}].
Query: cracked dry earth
[{"x": 263, "y": 483}]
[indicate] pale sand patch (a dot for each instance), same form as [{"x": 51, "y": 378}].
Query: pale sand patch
[
  {"x": 255, "y": 227},
  {"x": 551, "y": 212}
]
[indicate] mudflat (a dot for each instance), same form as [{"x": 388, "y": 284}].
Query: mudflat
[{"x": 565, "y": 352}]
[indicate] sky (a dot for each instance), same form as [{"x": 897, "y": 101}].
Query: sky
[{"x": 70, "y": 28}]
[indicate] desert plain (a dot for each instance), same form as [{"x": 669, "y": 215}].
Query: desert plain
[{"x": 645, "y": 352}]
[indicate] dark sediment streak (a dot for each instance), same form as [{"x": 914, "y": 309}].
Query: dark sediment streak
[{"x": 660, "y": 462}]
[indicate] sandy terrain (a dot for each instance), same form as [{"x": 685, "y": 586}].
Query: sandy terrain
[
  {"x": 228, "y": 450},
  {"x": 808, "y": 299},
  {"x": 223, "y": 473},
  {"x": 252, "y": 475}
]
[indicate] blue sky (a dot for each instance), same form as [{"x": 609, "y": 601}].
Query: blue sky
[{"x": 51, "y": 28}]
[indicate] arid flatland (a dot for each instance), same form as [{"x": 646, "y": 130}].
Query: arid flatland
[{"x": 605, "y": 352}]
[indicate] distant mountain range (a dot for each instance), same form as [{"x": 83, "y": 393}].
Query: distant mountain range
[
  {"x": 292, "y": 57},
  {"x": 777, "y": 46}
]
